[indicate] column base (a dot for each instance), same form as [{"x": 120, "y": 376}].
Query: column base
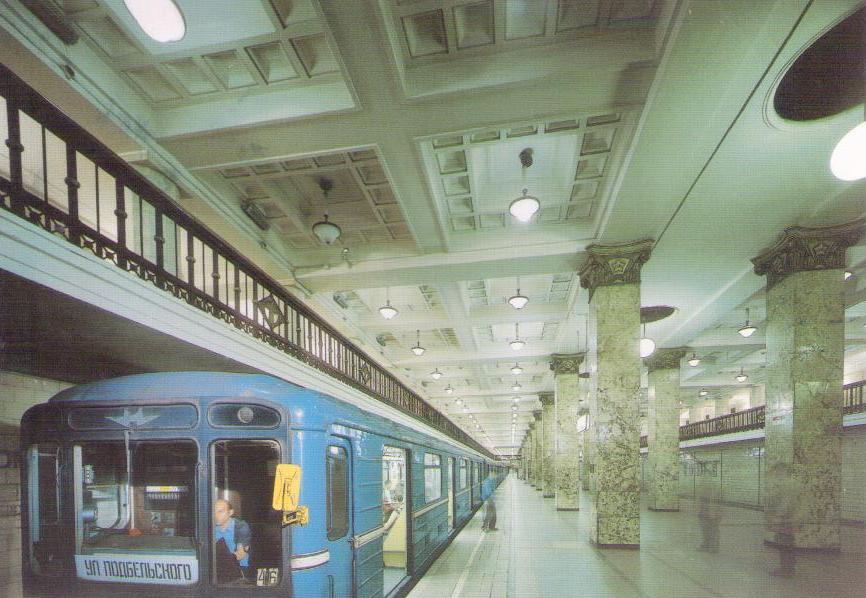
[
  {"x": 663, "y": 510},
  {"x": 625, "y": 546},
  {"x": 567, "y": 508},
  {"x": 805, "y": 549}
]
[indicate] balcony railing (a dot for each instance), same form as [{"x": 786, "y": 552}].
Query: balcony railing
[
  {"x": 853, "y": 400},
  {"x": 57, "y": 176}
]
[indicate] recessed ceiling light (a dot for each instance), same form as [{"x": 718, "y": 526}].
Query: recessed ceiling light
[
  {"x": 747, "y": 330},
  {"x": 161, "y": 20},
  {"x": 694, "y": 360}
]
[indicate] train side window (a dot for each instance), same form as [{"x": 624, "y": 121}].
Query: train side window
[
  {"x": 337, "y": 472},
  {"x": 432, "y": 477},
  {"x": 43, "y": 467},
  {"x": 463, "y": 474},
  {"x": 247, "y": 531}
]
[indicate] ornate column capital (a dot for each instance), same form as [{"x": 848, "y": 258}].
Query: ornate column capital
[
  {"x": 546, "y": 398},
  {"x": 537, "y": 415},
  {"x": 566, "y": 363},
  {"x": 665, "y": 359},
  {"x": 801, "y": 249},
  {"x": 608, "y": 265}
]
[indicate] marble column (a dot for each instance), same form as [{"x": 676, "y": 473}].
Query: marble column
[
  {"x": 566, "y": 370},
  {"x": 612, "y": 275},
  {"x": 548, "y": 444},
  {"x": 530, "y": 453},
  {"x": 538, "y": 450},
  {"x": 805, "y": 335},
  {"x": 663, "y": 428}
]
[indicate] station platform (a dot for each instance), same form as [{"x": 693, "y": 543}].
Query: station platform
[{"x": 540, "y": 552}]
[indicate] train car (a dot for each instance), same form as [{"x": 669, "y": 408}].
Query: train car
[{"x": 217, "y": 484}]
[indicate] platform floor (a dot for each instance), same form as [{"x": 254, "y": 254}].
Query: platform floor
[{"x": 540, "y": 552}]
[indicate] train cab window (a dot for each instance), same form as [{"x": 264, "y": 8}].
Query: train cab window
[
  {"x": 133, "y": 501},
  {"x": 337, "y": 472},
  {"x": 432, "y": 477},
  {"x": 43, "y": 469},
  {"x": 246, "y": 531}
]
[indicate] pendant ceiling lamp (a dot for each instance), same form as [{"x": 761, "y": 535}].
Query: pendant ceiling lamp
[
  {"x": 747, "y": 330},
  {"x": 848, "y": 160},
  {"x": 742, "y": 377},
  {"x": 694, "y": 360},
  {"x": 326, "y": 231},
  {"x": 518, "y": 301},
  {"x": 524, "y": 207},
  {"x": 647, "y": 345},
  {"x": 388, "y": 312},
  {"x": 161, "y": 20},
  {"x": 516, "y": 344},
  {"x": 516, "y": 369},
  {"x": 449, "y": 390},
  {"x": 418, "y": 349},
  {"x": 703, "y": 392},
  {"x": 436, "y": 374},
  {"x": 516, "y": 386},
  {"x": 459, "y": 401}
]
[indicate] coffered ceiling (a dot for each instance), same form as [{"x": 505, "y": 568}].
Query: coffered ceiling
[{"x": 646, "y": 119}]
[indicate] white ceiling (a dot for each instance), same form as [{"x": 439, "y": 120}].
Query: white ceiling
[{"x": 646, "y": 120}]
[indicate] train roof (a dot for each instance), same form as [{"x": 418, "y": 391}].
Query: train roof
[{"x": 178, "y": 384}]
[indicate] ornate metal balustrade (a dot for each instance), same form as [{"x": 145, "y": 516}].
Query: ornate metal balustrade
[
  {"x": 750, "y": 419},
  {"x": 57, "y": 176},
  {"x": 853, "y": 398}
]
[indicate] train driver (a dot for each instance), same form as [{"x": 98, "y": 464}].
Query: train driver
[{"x": 236, "y": 534}]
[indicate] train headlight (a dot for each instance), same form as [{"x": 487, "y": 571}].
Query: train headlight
[{"x": 245, "y": 415}]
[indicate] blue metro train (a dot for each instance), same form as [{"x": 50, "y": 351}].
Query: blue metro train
[{"x": 186, "y": 484}]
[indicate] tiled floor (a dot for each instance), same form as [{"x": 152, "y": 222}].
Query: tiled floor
[{"x": 540, "y": 552}]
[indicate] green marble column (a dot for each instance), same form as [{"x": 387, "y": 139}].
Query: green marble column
[
  {"x": 663, "y": 428},
  {"x": 538, "y": 450},
  {"x": 533, "y": 466},
  {"x": 548, "y": 442},
  {"x": 567, "y": 450},
  {"x": 805, "y": 350},
  {"x": 612, "y": 276}
]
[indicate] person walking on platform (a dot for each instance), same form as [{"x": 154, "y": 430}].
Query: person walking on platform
[{"x": 489, "y": 522}]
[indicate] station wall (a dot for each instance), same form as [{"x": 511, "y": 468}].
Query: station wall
[
  {"x": 17, "y": 394},
  {"x": 733, "y": 473}
]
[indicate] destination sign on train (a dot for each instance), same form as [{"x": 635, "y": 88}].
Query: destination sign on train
[{"x": 168, "y": 570}]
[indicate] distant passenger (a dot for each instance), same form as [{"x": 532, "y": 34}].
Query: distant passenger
[
  {"x": 489, "y": 523},
  {"x": 233, "y": 537}
]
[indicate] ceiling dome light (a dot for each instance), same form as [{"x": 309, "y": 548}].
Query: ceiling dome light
[
  {"x": 516, "y": 386},
  {"x": 466, "y": 410},
  {"x": 387, "y": 311},
  {"x": 516, "y": 399},
  {"x": 516, "y": 369},
  {"x": 524, "y": 207},
  {"x": 647, "y": 345},
  {"x": 694, "y": 360},
  {"x": 161, "y": 20},
  {"x": 418, "y": 349},
  {"x": 703, "y": 392},
  {"x": 436, "y": 374},
  {"x": 514, "y": 407},
  {"x": 449, "y": 390},
  {"x": 459, "y": 401},
  {"x": 747, "y": 330},
  {"x": 847, "y": 160},
  {"x": 741, "y": 377},
  {"x": 518, "y": 301},
  {"x": 327, "y": 232},
  {"x": 516, "y": 344}
]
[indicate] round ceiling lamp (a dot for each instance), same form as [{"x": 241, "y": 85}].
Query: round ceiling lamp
[
  {"x": 742, "y": 377},
  {"x": 516, "y": 386},
  {"x": 326, "y": 231},
  {"x": 161, "y": 20},
  {"x": 703, "y": 392},
  {"x": 418, "y": 349},
  {"x": 524, "y": 207},
  {"x": 514, "y": 407},
  {"x": 747, "y": 330},
  {"x": 516, "y": 400},
  {"x": 386, "y": 311},
  {"x": 647, "y": 345},
  {"x": 518, "y": 301},
  {"x": 694, "y": 360},
  {"x": 516, "y": 344},
  {"x": 516, "y": 369},
  {"x": 449, "y": 390},
  {"x": 459, "y": 401},
  {"x": 436, "y": 374},
  {"x": 847, "y": 161}
]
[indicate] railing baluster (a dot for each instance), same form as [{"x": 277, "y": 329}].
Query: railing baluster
[
  {"x": 120, "y": 213},
  {"x": 16, "y": 175}
]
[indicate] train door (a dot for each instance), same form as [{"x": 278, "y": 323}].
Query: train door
[
  {"x": 452, "y": 483},
  {"x": 394, "y": 516},
  {"x": 338, "y": 480}
]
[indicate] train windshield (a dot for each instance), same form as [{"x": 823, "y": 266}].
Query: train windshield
[{"x": 135, "y": 511}]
